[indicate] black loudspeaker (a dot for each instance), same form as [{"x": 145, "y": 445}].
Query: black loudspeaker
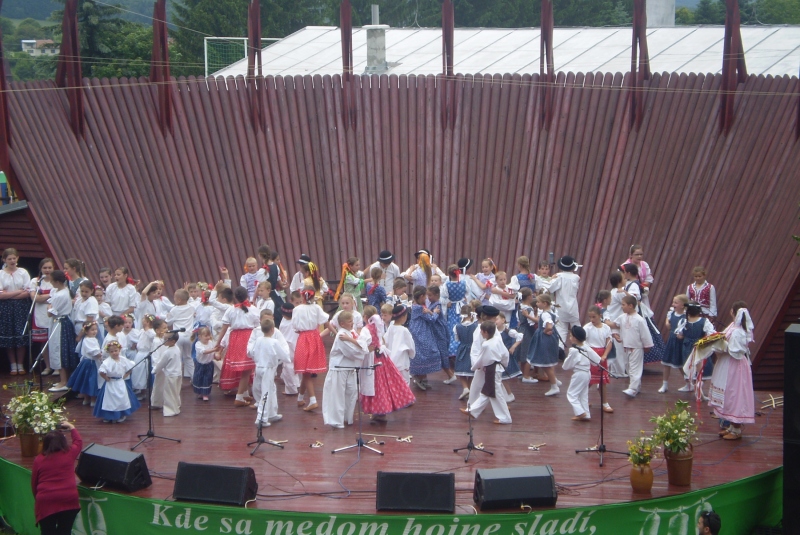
[
  {"x": 226, "y": 485},
  {"x": 110, "y": 467},
  {"x": 791, "y": 427},
  {"x": 404, "y": 491},
  {"x": 510, "y": 488}
]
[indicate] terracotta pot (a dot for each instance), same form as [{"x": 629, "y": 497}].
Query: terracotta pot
[
  {"x": 30, "y": 444},
  {"x": 641, "y": 478},
  {"x": 679, "y": 467}
]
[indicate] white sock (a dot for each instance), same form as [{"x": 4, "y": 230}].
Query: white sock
[
  {"x": 312, "y": 400},
  {"x": 239, "y": 397},
  {"x": 606, "y": 405},
  {"x": 299, "y": 397},
  {"x": 665, "y": 384}
]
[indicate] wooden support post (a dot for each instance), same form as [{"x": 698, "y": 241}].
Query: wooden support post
[
  {"x": 159, "y": 66},
  {"x": 640, "y": 62},
  {"x": 68, "y": 72},
  {"x": 546, "y": 78},
  {"x": 734, "y": 69},
  {"x": 348, "y": 93},
  {"x": 449, "y": 86},
  {"x": 253, "y": 60}
]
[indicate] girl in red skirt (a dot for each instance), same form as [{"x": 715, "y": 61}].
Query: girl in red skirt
[
  {"x": 391, "y": 391},
  {"x": 309, "y": 354},
  {"x": 598, "y": 337},
  {"x": 237, "y": 367}
]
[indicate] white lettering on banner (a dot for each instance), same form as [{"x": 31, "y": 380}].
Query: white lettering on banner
[
  {"x": 491, "y": 529},
  {"x": 326, "y": 528},
  {"x": 410, "y": 525},
  {"x": 279, "y": 526},
  {"x": 160, "y": 515},
  {"x": 454, "y": 526},
  {"x": 200, "y": 523},
  {"x": 226, "y": 526},
  {"x": 184, "y": 520},
  {"x": 348, "y": 528},
  {"x": 303, "y": 526},
  {"x": 436, "y": 529},
  {"x": 243, "y": 527},
  {"x": 368, "y": 528}
]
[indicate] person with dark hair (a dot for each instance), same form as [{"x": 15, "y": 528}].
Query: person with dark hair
[
  {"x": 14, "y": 305},
  {"x": 53, "y": 482},
  {"x": 709, "y": 523},
  {"x": 240, "y": 320}
]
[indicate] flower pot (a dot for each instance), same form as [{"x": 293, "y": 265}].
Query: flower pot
[
  {"x": 641, "y": 478},
  {"x": 30, "y": 444},
  {"x": 679, "y": 466}
]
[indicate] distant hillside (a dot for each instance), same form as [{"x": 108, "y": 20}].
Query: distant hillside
[
  {"x": 41, "y": 9},
  {"x": 686, "y": 3}
]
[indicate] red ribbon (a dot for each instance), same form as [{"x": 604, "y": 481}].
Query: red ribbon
[
  {"x": 245, "y": 303},
  {"x": 129, "y": 280}
]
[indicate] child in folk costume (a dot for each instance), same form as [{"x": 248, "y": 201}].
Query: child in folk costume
[
  {"x": 528, "y": 321},
  {"x": 580, "y": 358},
  {"x": 376, "y": 292},
  {"x": 115, "y": 400},
  {"x": 340, "y": 391},
  {"x": 399, "y": 293},
  {"x": 633, "y": 286},
  {"x": 390, "y": 391},
  {"x": 485, "y": 280},
  {"x": 428, "y": 350},
  {"x": 619, "y": 365},
  {"x": 312, "y": 279},
  {"x": 62, "y": 333},
  {"x": 122, "y": 295},
  {"x": 255, "y": 336},
  {"x": 543, "y": 277},
  {"x": 693, "y": 329},
  {"x": 351, "y": 281},
  {"x": 635, "y": 338},
  {"x": 420, "y": 273},
  {"x": 456, "y": 290},
  {"x": 157, "y": 379},
  {"x": 400, "y": 342},
  {"x": 504, "y": 298},
  {"x": 85, "y": 308},
  {"x": 250, "y": 278},
  {"x": 181, "y": 318},
  {"x": 512, "y": 340},
  {"x": 205, "y": 349},
  {"x": 732, "y": 383},
  {"x": 129, "y": 337},
  {"x": 564, "y": 289},
  {"x": 76, "y": 273},
  {"x": 114, "y": 326},
  {"x": 237, "y": 367},
  {"x": 309, "y": 353},
  {"x": 143, "y": 348},
  {"x": 492, "y": 352},
  {"x": 40, "y": 292},
  {"x": 168, "y": 364},
  {"x": 389, "y": 270},
  {"x": 703, "y": 292},
  {"x": 543, "y": 351},
  {"x": 484, "y": 313},
  {"x": 268, "y": 354},
  {"x": 598, "y": 338},
  {"x": 523, "y": 279},
  {"x": 463, "y": 335},
  {"x": 263, "y": 300},
  {"x": 84, "y": 378},
  {"x": 434, "y": 300},
  {"x": 291, "y": 380},
  {"x": 673, "y": 353},
  {"x": 643, "y": 273},
  {"x": 346, "y": 303}
]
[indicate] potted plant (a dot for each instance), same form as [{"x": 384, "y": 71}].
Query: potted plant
[
  {"x": 675, "y": 430},
  {"x": 640, "y": 452},
  {"x": 34, "y": 415}
]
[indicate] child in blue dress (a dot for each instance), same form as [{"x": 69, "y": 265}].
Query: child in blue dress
[
  {"x": 673, "y": 353},
  {"x": 523, "y": 279},
  {"x": 84, "y": 378},
  {"x": 528, "y": 322},
  {"x": 463, "y": 334},
  {"x": 440, "y": 331},
  {"x": 694, "y": 328},
  {"x": 456, "y": 293},
  {"x": 512, "y": 340},
  {"x": 543, "y": 350},
  {"x": 376, "y": 293},
  {"x": 422, "y": 324}
]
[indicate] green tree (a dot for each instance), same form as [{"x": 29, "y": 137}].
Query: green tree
[
  {"x": 196, "y": 19},
  {"x": 8, "y": 29},
  {"x": 131, "y": 52},
  {"x": 25, "y": 67},
  {"x": 684, "y": 16},
  {"x": 778, "y": 11},
  {"x": 709, "y": 12}
]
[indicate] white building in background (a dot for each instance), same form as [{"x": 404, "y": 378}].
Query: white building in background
[{"x": 40, "y": 47}]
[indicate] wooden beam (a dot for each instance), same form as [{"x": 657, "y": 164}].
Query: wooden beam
[
  {"x": 253, "y": 60},
  {"x": 640, "y": 62},
  {"x": 546, "y": 77},
  {"x": 734, "y": 69},
  {"x": 448, "y": 87},
  {"x": 68, "y": 72},
  {"x": 159, "y": 66},
  {"x": 348, "y": 93}
]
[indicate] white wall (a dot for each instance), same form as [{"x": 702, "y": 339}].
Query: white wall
[{"x": 660, "y": 13}]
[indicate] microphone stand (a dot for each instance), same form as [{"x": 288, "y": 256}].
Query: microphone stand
[
  {"x": 260, "y": 434},
  {"x": 150, "y": 431},
  {"x": 360, "y": 440},
  {"x": 600, "y": 449},
  {"x": 29, "y": 321},
  {"x": 39, "y": 358},
  {"x": 470, "y": 447}
]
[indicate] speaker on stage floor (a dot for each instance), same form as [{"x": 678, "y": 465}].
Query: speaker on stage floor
[
  {"x": 406, "y": 491},
  {"x": 511, "y": 488},
  {"x": 109, "y": 467},
  {"x": 226, "y": 485},
  {"x": 791, "y": 427}
]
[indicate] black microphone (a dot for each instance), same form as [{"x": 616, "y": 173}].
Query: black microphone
[{"x": 181, "y": 330}]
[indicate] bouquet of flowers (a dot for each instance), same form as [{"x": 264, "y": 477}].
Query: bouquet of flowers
[
  {"x": 35, "y": 413},
  {"x": 641, "y": 451},
  {"x": 676, "y": 428}
]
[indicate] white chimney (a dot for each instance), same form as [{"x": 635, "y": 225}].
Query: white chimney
[
  {"x": 660, "y": 13},
  {"x": 376, "y": 45}
]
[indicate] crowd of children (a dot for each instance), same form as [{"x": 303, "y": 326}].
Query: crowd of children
[{"x": 482, "y": 329}]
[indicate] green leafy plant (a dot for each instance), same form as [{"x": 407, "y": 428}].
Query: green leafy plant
[{"x": 676, "y": 428}]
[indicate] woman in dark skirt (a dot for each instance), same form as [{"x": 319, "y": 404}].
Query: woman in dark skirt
[{"x": 15, "y": 304}]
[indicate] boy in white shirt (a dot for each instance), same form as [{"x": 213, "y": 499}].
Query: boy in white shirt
[
  {"x": 492, "y": 352},
  {"x": 399, "y": 342},
  {"x": 564, "y": 289},
  {"x": 181, "y": 316},
  {"x": 580, "y": 358},
  {"x": 291, "y": 381},
  {"x": 618, "y": 365},
  {"x": 268, "y": 353},
  {"x": 340, "y": 393},
  {"x": 167, "y": 391},
  {"x": 636, "y": 339}
]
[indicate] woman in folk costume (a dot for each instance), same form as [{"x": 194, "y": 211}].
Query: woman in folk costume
[
  {"x": 351, "y": 282},
  {"x": 237, "y": 367},
  {"x": 385, "y": 390}
]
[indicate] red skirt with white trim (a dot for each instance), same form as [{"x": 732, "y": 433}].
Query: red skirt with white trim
[
  {"x": 597, "y": 373},
  {"x": 236, "y": 360},
  {"x": 391, "y": 390},
  {"x": 309, "y": 354}
]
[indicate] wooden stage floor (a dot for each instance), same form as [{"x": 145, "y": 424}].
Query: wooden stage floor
[{"x": 301, "y": 478}]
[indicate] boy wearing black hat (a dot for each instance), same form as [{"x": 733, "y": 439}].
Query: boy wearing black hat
[
  {"x": 485, "y": 313},
  {"x": 564, "y": 289},
  {"x": 492, "y": 352},
  {"x": 391, "y": 271},
  {"x": 580, "y": 358}
]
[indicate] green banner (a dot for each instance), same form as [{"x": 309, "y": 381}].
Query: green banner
[{"x": 743, "y": 505}]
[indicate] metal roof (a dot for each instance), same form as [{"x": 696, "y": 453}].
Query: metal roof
[{"x": 317, "y": 50}]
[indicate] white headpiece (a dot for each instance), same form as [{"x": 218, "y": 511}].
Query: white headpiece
[{"x": 748, "y": 327}]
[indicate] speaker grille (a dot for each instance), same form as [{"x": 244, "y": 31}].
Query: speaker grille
[
  {"x": 210, "y": 483},
  {"x": 113, "y": 468},
  {"x": 406, "y": 491}
]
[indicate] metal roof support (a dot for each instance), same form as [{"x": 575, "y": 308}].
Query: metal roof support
[
  {"x": 640, "y": 62},
  {"x": 68, "y": 72},
  {"x": 734, "y": 69},
  {"x": 348, "y": 93},
  {"x": 448, "y": 100},
  {"x": 546, "y": 78},
  {"x": 159, "y": 66},
  {"x": 253, "y": 59}
]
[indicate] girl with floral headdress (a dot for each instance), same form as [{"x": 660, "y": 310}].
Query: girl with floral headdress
[
  {"x": 420, "y": 273},
  {"x": 351, "y": 282},
  {"x": 485, "y": 280},
  {"x": 309, "y": 353},
  {"x": 237, "y": 367}
]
